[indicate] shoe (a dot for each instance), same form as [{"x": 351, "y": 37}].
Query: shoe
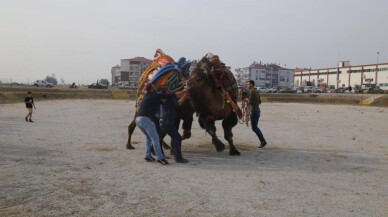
[
  {"x": 163, "y": 161},
  {"x": 262, "y": 144},
  {"x": 26, "y": 119},
  {"x": 181, "y": 160},
  {"x": 149, "y": 159},
  {"x": 30, "y": 120}
]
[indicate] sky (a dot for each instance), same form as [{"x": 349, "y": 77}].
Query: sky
[{"x": 80, "y": 40}]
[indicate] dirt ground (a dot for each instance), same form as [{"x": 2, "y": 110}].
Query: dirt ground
[{"x": 321, "y": 160}]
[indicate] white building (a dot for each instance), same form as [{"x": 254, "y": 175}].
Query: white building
[
  {"x": 267, "y": 75},
  {"x": 130, "y": 70},
  {"x": 116, "y": 75},
  {"x": 344, "y": 75}
]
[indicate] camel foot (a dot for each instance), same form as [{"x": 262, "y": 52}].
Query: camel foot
[
  {"x": 219, "y": 145},
  {"x": 186, "y": 134},
  {"x": 234, "y": 153}
]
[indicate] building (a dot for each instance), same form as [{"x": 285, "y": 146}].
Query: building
[
  {"x": 344, "y": 75},
  {"x": 265, "y": 75},
  {"x": 116, "y": 75},
  {"x": 130, "y": 70}
]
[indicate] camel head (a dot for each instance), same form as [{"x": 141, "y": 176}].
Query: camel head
[{"x": 201, "y": 87}]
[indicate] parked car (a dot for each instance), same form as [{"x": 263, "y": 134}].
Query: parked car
[
  {"x": 97, "y": 86},
  {"x": 262, "y": 90},
  {"x": 127, "y": 86},
  {"x": 308, "y": 89},
  {"x": 317, "y": 90},
  {"x": 273, "y": 90},
  {"x": 42, "y": 83},
  {"x": 375, "y": 90},
  {"x": 339, "y": 90},
  {"x": 351, "y": 91},
  {"x": 287, "y": 90}
]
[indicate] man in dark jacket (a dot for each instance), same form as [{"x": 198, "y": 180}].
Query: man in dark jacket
[
  {"x": 255, "y": 101},
  {"x": 168, "y": 112}
]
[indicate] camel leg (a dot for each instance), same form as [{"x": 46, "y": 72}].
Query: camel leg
[
  {"x": 185, "y": 113},
  {"x": 211, "y": 129},
  {"x": 131, "y": 128},
  {"x": 228, "y": 124}
]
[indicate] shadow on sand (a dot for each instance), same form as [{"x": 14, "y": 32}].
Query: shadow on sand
[{"x": 287, "y": 159}]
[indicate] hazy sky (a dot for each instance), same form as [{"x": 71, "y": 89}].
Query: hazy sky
[{"x": 80, "y": 40}]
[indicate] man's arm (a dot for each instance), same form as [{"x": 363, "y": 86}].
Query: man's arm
[
  {"x": 252, "y": 96},
  {"x": 168, "y": 94}
]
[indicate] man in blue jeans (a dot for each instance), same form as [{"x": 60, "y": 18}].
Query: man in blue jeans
[
  {"x": 148, "y": 108},
  {"x": 254, "y": 101},
  {"x": 168, "y": 111}
]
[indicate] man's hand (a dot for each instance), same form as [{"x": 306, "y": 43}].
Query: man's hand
[{"x": 182, "y": 93}]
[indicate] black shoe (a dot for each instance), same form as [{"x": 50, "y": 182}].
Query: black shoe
[
  {"x": 26, "y": 119},
  {"x": 163, "y": 161},
  {"x": 181, "y": 160},
  {"x": 149, "y": 159},
  {"x": 262, "y": 144},
  {"x": 30, "y": 120}
]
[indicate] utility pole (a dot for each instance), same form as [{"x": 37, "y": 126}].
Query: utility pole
[{"x": 377, "y": 67}]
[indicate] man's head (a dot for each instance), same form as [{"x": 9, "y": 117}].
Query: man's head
[
  {"x": 251, "y": 84},
  {"x": 29, "y": 93},
  {"x": 150, "y": 88}
]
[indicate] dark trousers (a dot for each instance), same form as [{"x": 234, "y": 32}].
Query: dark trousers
[
  {"x": 255, "y": 115},
  {"x": 175, "y": 137}
]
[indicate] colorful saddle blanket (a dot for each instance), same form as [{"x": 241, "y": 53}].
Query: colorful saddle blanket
[
  {"x": 163, "y": 71},
  {"x": 224, "y": 77}
]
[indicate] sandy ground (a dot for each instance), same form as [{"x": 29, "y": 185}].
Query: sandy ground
[{"x": 321, "y": 160}]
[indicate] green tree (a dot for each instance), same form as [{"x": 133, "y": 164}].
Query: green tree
[
  {"x": 51, "y": 79},
  {"x": 104, "y": 81}
]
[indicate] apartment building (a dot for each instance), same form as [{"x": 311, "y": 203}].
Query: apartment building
[
  {"x": 265, "y": 75},
  {"x": 116, "y": 75},
  {"x": 130, "y": 70}
]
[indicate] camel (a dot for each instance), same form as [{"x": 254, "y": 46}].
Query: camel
[
  {"x": 213, "y": 92},
  {"x": 165, "y": 72}
]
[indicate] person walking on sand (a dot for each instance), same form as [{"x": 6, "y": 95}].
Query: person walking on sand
[
  {"x": 254, "y": 101},
  {"x": 148, "y": 108},
  {"x": 29, "y": 101}
]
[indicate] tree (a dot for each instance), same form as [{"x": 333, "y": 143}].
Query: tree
[
  {"x": 51, "y": 79},
  {"x": 104, "y": 81}
]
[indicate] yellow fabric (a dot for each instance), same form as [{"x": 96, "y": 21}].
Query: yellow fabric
[{"x": 29, "y": 110}]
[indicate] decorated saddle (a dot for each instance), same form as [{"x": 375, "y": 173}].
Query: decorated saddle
[
  {"x": 163, "y": 72},
  {"x": 223, "y": 78}
]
